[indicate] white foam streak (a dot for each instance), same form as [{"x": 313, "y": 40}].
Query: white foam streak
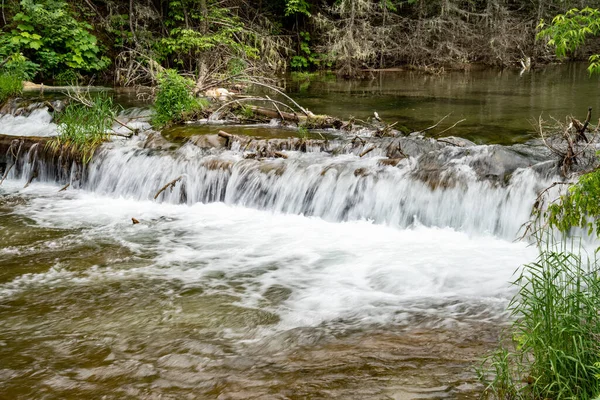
[
  {"x": 342, "y": 188},
  {"x": 37, "y": 123},
  {"x": 357, "y": 272}
]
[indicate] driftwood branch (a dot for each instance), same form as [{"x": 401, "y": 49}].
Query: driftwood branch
[
  {"x": 277, "y": 108},
  {"x": 34, "y": 175},
  {"x": 447, "y": 129},
  {"x": 237, "y": 101},
  {"x": 367, "y": 151},
  {"x": 273, "y": 88},
  {"x": 431, "y": 127},
  {"x": 581, "y": 132},
  {"x": 170, "y": 184},
  {"x": 227, "y": 136}
]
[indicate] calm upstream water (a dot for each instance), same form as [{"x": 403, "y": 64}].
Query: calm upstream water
[
  {"x": 315, "y": 276},
  {"x": 498, "y": 106}
]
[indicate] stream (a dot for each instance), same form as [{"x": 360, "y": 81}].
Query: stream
[{"x": 319, "y": 275}]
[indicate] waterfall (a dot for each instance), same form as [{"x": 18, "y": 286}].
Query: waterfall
[{"x": 456, "y": 193}]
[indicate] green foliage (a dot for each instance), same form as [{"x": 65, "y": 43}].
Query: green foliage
[
  {"x": 569, "y": 31},
  {"x": 185, "y": 41},
  {"x": 579, "y": 207},
  {"x": 174, "y": 99},
  {"x": 556, "y": 333},
  {"x": 67, "y": 77},
  {"x": 82, "y": 128},
  {"x": 505, "y": 382},
  {"x": 229, "y": 36},
  {"x": 236, "y": 66},
  {"x": 20, "y": 67},
  {"x": 10, "y": 85},
  {"x": 303, "y": 132},
  {"x": 47, "y": 33},
  {"x": 293, "y": 7},
  {"x": 306, "y": 58}
]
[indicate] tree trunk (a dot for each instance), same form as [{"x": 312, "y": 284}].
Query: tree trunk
[{"x": 204, "y": 13}]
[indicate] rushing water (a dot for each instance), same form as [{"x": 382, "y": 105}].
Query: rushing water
[{"x": 311, "y": 276}]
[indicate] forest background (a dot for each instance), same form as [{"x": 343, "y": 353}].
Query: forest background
[{"x": 125, "y": 41}]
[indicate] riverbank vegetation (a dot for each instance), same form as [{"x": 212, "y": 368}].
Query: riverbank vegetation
[
  {"x": 83, "y": 126},
  {"x": 552, "y": 349},
  {"x": 174, "y": 100},
  {"x": 124, "y": 41},
  {"x": 10, "y": 85}
]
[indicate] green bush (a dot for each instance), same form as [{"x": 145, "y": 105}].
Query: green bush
[
  {"x": 556, "y": 333},
  {"x": 174, "y": 99},
  {"x": 10, "y": 85},
  {"x": 17, "y": 65},
  {"x": 82, "y": 128},
  {"x": 47, "y": 34}
]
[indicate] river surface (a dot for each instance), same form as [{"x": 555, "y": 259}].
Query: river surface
[{"x": 295, "y": 278}]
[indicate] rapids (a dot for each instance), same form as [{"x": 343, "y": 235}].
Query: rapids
[{"x": 319, "y": 274}]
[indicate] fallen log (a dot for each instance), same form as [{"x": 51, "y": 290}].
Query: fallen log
[
  {"x": 267, "y": 112},
  {"x": 227, "y": 136}
]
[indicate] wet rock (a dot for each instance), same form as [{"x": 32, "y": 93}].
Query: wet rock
[
  {"x": 456, "y": 141},
  {"x": 214, "y": 164},
  {"x": 208, "y": 141},
  {"x": 156, "y": 141}
]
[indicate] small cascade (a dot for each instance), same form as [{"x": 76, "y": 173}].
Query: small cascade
[
  {"x": 33, "y": 120},
  {"x": 449, "y": 187},
  {"x": 395, "y": 181},
  {"x": 339, "y": 188}
]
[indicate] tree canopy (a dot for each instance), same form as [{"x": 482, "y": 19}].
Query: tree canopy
[{"x": 120, "y": 40}]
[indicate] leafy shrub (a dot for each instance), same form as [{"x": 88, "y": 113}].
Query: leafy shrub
[
  {"x": 82, "y": 128},
  {"x": 580, "y": 207},
  {"x": 46, "y": 32},
  {"x": 18, "y": 66},
  {"x": 556, "y": 334},
  {"x": 174, "y": 99},
  {"x": 10, "y": 85},
  {"x": 67, "y": 77}
]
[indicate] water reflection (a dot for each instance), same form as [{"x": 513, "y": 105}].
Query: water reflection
[{"x": 497, "y": 105}]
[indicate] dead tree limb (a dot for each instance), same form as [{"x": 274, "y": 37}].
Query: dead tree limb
[
  {"x": 367, "y": 151},
  {"x": 273, "y": 88},
  {"x": 535, "y": 209},
  {"x": 171, "y": 184},
  {"x": 431, "y": 127},
  {"x": 277, "y": 108},
  {"x": 581, "y": 133},
  {"x": 15, "y": 158},
  {"x": 447, "y": 129},
  {"x": 237, "y": 101},
  {"x": 34, "y": 175}
]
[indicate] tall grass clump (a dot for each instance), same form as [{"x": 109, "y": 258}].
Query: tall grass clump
[
  {"x": 174, "y": 100},
  {"x": 82, "y": 127},
  {"x": 10, "y": 85},
  {"x": 555, "y": 348}
]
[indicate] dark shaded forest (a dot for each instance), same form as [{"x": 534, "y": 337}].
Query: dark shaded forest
[{"x": 124, "y": 41}]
